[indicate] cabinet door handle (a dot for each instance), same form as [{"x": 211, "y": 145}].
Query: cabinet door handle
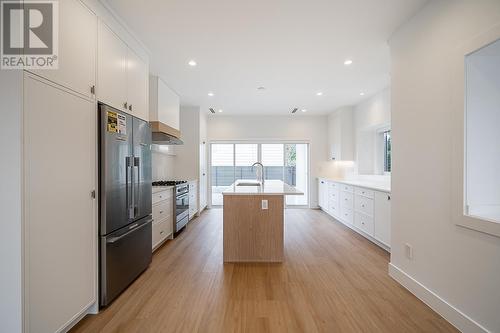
[
  {"x": 161, "y": 212},
  {"x": 388, "y": 197}
]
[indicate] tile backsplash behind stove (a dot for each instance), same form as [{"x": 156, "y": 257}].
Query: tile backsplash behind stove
[{"x": 163, "y": 166}]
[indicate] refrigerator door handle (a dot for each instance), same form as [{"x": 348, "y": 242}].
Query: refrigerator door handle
[
  {"x": 137, "y": 179},
  {"x": 116, "y": 239},
  {"x": 129, "y": 187}
]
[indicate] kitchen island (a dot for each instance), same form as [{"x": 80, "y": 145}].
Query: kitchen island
[{"x": 254, "y": 220}]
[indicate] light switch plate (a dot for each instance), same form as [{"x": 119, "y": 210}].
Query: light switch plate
[
  {"x": 264, "y": 204},
  {"x": 409, "y": 251}
]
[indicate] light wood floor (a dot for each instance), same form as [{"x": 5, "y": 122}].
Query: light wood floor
[{"x": 332, "y": 280}]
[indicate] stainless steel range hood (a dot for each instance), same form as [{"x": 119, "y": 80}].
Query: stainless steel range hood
[{"x": 164, "y": 134}]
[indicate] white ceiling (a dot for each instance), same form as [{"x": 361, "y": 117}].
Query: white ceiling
[{"x": 294, "y": 48}]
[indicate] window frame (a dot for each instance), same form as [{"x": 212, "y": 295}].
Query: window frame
[
  {"x": 259, "y": 143},
  {"x": 387, "y": 135}
]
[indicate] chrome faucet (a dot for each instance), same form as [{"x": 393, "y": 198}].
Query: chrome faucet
[{"x": 261, "y": 180}]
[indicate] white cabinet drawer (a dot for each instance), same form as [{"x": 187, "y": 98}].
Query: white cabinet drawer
[
  {"x": 347, "y": 199},
  {"x": 333, "y": 195},
  {"x": 159, "y": 232},
  {"x": 333, "y": 186},
  {"x": 333, "y": 209},
  {"x": 346, "y": 215},
  {"x": 364, "y": 192},
  {"x": 164, "y": 195},
  {"x": 364, "y": 223},
  {"x": 363, "y": 205},
  {"x": 162, "y": 210},
  {"x": 347, "y": 188}
]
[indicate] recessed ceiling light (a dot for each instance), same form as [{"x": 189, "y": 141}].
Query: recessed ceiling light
[
  {"x": 220, "y": 110},
  {"x": 303, "y": 110},
  {"x": 211, "y": 94},
  {"x": 192, "y": 63},
  {"x": 348, "y": 62},
  {"x": 319, "y": 93},
  {"x": 361, "y": 94}
]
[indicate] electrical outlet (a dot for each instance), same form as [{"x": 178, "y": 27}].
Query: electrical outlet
[
  {"x": 264, "y": 204},
  {"x": 409, "y": 251}
]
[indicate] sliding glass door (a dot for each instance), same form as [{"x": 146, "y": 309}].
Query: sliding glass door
[
  {"x": 288, "y": 162},
  {"x": 296, "y": 172}
]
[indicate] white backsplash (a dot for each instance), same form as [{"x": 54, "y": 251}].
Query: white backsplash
[{"x": 163, "y": 166}]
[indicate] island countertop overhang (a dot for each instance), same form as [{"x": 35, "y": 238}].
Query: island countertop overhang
[{"x": 270, "y": 187}]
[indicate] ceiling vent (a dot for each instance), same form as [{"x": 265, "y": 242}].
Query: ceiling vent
[
  {"x": 295, "y": 110},
  {"x": 212, "y": 110}
]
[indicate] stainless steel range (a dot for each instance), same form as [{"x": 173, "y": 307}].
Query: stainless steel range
[{"x": 181, "y": 202}]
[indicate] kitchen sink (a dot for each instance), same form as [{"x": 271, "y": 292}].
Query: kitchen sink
[{"x": 248, "y": 183}]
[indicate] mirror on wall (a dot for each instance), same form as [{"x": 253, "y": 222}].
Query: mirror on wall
[{"x": 482, "y": 133}]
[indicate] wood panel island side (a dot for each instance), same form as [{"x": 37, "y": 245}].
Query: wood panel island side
[{"x": 254, "y": 220}]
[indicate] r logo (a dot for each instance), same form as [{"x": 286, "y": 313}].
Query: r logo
[{"x": 29, "y": 28}]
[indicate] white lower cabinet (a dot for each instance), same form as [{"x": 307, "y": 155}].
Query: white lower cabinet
[
  {"x": 60, "y": 212},
  {"x": 193, "y": 199},
  {"x": 323, "y": 194},
  {"x": 364, "y": 210},
  {"x": 382, "y": 216},
  {"x": 364, "y": 223},
  {"x": 346, "y": 215},
  {"x": 163, "y": 217}
]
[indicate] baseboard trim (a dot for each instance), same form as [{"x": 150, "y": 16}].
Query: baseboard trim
[{"x": 453, "y": 315}]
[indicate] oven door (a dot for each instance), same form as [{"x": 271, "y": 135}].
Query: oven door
[{"x": 182, "y": 207}]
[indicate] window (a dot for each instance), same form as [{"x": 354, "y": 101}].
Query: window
[
  {"x": 288, "y": 162},
  {"x": 387, "y": 151},
  {"x": 245, "y": 156},
  {"x": 273, "y": 158}
]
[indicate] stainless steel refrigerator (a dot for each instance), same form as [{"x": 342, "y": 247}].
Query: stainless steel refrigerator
[{"x": 125, "y": 200}]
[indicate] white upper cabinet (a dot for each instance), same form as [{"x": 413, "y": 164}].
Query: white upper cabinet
[
  {"x": 137, "y": 86},
  {"x": 112, "y": 68},
  {"x": 340, "y": 135},
  {"x": 122, "y": 76},
  {"x": 77, "y": 48},
  {"x": 164, "y": 103}
]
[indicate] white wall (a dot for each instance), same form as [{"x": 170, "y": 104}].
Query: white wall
[
  {"x": 460, "y": 266},
  {"x": 10, "y": 201},
  {"x": 370, "y": 116},
  {"x": 301, "y": 128}
]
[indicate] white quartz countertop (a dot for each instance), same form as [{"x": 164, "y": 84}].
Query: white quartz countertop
[
  {"x": 157, "y": 189},
  {"x": 270, "y": 187},
  {"x": 366, "y": 183}
]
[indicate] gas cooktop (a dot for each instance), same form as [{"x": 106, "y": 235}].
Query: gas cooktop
[{"x": 169, "y": 182}]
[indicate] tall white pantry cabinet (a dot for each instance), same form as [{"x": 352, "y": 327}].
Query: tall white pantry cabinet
[{"x": 51, "y": 121}]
